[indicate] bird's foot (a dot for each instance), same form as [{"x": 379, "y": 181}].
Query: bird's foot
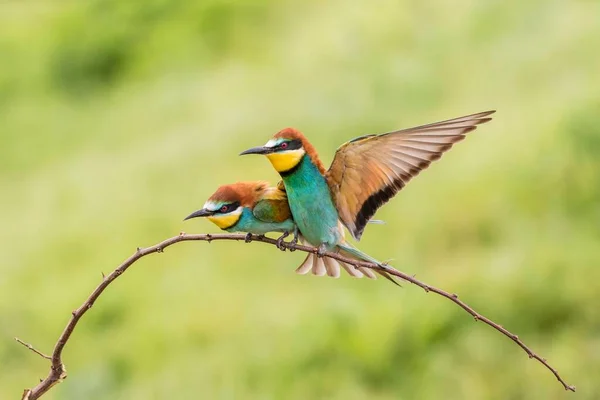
[
  {"x": 248, "y": 238},
  {"x": 279, "y": 242},
  {"x": 294, "y": 241},
  {"x": 321, "y": 250}
]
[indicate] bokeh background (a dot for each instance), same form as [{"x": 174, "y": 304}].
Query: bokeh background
[{"x": 117, "y": 119}]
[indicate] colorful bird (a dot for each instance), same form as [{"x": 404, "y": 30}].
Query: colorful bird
[
  {"x": 257, "y": 208},
  {"x": 365, "y": 173},
  {"x": 252, "y": 207}
]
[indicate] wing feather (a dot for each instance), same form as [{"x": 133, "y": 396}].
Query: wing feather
[
  {"x": 368, "y": 171},
  {"x": 273, "y": 207}
]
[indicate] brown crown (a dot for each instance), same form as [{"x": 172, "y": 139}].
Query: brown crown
[{"x": 247, "y": 193}]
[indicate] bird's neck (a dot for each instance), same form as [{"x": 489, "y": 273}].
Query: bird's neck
[
  {"x": 244, "y": 222},
  {"x": 304, "y": 183},
  {"x": 305, "y": 168}
]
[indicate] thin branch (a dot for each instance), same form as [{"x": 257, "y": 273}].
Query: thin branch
[
  {"x": 58, "y": 371},
  {"x": 30, "y": 347}
]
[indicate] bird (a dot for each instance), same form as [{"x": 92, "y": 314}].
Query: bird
[
  {"x": 257, "y": 208},
  {"x": 253, "y": 207},
  {"x": 366, "y": 173}
]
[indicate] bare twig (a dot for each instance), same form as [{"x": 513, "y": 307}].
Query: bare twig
[
  {"x": 30, "y": 347},
  {"x": 58, "y": 371}
]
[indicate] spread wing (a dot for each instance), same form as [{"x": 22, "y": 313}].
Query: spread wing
[
  {"x": 368, "y": 171},
  {"x": 273, "y": 207}
]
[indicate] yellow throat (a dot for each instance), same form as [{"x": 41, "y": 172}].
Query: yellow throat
[
  {"x": 286, "y": 160},
  {"x": 225, "y": 221}
]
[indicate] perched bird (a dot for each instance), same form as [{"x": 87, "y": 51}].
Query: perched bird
[
  {"x": 257, "y": 208},
  {"x": 252, "y": 207},
  {"x": 365, "y": 173}
]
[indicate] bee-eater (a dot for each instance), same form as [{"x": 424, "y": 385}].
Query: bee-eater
[
  {"x": 252, "y": 207},
  {"x": 257, "y": 208},
  {"x": 366, "y": 173}
]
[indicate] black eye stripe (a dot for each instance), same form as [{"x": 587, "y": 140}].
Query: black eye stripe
[
  {"x": 228, "y": 208},
  {"x": 291, "y": 145}
]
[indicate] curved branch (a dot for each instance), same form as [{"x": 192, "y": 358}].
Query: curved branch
[{"x": 58, "y": 371}]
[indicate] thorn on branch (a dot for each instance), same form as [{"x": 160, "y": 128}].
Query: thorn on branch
[
  {"x": 74, "y": 313},
  {"x": 181, "y": 233},
  {"x": 209, "y": 237},
  {"x": 138, "y": 249},
  {"x": 103, "y": 276},
  {"x": 160, "y": 250},
  {"x": 454, "y": 295}
]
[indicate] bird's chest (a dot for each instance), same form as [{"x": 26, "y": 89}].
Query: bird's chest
[{"x": 313, "y": 210}]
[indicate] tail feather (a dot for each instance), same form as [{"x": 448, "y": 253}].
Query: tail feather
[
  {"x": 321, "y": 266},
  {"x": 332, "y": 266},
  {"x": 350, "y": 269},
  {"x": 368, "y": 272},
  {"x": 306, "y": 265},
  {"x": 318, "y": 268},
  {"x": 353, "y": 252}
]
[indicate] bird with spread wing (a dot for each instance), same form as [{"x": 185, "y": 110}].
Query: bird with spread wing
[{"x": 365, "y": 173}]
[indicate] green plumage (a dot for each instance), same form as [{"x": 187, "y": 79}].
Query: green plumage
[
  {"x": 266, "y": 217},
  {"x": 272, "y": 211},
  {"x": 365, "y": 173}
]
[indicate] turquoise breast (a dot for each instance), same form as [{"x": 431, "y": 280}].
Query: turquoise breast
[
  {"x": 249, "y": 223},
  {"x": 311, "y": 204}
]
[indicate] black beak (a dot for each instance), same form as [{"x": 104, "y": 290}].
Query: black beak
[
  {"x": 257, "y": 150},
  {"x": 200, "y": 213}
]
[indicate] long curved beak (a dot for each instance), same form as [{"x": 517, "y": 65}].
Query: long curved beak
[
  {"x": 200, "y": 213},
  {"x": 257, "y": 150}
]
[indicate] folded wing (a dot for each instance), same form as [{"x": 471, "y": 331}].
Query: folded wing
[
  {"x": 273, "y": 207},
  {"x": 368, "y": 171}
]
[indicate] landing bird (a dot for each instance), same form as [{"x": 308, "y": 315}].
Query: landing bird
[
  {"x": 255, "y": 207},
  {"x": 365, "y": 173}
]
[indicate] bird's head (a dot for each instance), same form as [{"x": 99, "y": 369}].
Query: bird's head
[
  {"x": 285, "y": 150},
  {"x": 224, "y": 208}
]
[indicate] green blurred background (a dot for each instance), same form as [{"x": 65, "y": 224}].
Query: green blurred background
[{"x": 117, "y": 119}]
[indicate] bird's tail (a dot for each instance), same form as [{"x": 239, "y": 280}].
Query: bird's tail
[
  {"x": 348, "y": 250},
  {"x": 321, "y": 266}
]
